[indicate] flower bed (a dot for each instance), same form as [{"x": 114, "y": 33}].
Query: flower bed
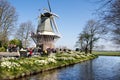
[{"x": 11, "y": 68}]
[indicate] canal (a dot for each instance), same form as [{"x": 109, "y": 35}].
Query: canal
[{"x": 101, "y": 68}]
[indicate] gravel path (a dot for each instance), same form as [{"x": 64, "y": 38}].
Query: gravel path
[{"x": 9, "y": 54}]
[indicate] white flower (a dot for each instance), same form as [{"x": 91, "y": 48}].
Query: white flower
[
  {"x": 53, "y": 56},
  {"x": 89, "y": 54},
  {"x": 41, "y": 62},
  {"x": 82, "y": 55},
  {"x": 8, "y": 64},
  {"x": 71, "y": 58},
  {"x": 7, "y": 58},
  {"x": 51, "y": 60}
]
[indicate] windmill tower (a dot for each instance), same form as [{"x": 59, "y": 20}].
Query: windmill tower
[{"x": 47, "y": 30}]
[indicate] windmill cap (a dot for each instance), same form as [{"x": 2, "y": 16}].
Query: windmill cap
[{"x": 47, "y": 14}]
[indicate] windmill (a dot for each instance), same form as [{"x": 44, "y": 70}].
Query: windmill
[{"x": 47, "y": 31}]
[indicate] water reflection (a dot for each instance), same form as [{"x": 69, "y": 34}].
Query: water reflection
[
  {"x": 86, "y": 70},
  {"x": 102, "y": 68},
  {"x": 107, "y": 68}
]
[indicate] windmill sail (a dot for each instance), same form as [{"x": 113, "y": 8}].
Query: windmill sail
[
  {"x": 56, "y": 28},
  {"x": 49, "y": 5}
]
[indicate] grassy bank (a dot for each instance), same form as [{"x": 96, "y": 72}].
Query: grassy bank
[
  {"x": 11, "y": 68},
  {"x": 107, "y": 53}
]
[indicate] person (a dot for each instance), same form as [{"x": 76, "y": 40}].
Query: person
[
  {"x": 23, "y": 52},
  {"x": 40, "y": 51},
  {"x": 48, "y": 51},
  {"x": 30, "y": 52},
  {"x": 18, "y": 48}
]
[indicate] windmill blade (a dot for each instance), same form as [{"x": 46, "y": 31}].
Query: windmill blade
[
  {"x": 54, "y": 23},
  {"x": 55, "y": 15},
  {"x": 50, "y": 10},
  {"x": 51, "y": 24},
  {"x": 49, "y": 5},
  {"x": 46, "y": 10}
]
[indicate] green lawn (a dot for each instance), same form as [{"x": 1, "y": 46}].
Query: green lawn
[{"x": 107, "y": 53}]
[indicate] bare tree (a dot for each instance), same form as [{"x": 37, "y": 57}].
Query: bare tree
[
  {"x": 113, "y": 19},
  {"x": 8, "y": 18},
  {"x": 116, "y": 35},
  {"x": 91, "y": 33},
  {"x": 84, "y": 41},
  {"x": 80, "y": 42},
  {"x": 23, "y": 33},
  {"x": 112, "y": 13},
  {"x": 104, "y": 3},
  {"x": 111, "y": 16}
]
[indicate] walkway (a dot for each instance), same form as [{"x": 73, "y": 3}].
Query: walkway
[{"x": 9, "y": 54}]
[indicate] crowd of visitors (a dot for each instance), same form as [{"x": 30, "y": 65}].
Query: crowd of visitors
[
  {"x": 12, "y": 48},
  {"x": 28, "y": 52}
]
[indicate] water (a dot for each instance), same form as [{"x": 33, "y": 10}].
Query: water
[{"x": 102, "y": 68}]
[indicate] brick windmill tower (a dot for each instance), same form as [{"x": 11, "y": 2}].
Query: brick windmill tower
[{"x": 47, "y": 31}]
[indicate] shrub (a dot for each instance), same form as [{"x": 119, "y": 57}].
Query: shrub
[{"x": 2, "y": 49}]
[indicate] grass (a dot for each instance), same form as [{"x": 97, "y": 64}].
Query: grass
[
  {"x": 23, "y": 66},
  {"x": 107, "y": 53}
]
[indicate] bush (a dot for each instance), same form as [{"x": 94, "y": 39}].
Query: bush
[{"x": 2, "y": 49}]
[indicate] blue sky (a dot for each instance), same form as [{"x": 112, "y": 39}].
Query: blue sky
[{"x": 73, "y": 16}]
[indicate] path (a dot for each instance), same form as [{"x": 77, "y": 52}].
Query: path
[{"x": 10, "y": 54}]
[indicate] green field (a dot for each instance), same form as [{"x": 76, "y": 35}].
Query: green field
[{"x": 107, "y": 53}]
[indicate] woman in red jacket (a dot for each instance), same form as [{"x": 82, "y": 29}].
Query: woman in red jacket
[{"x": 30, "y": 52}]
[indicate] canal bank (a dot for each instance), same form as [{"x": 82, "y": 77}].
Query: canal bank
[
  {"x": 12, "y": 68},
  {"x": 101, "y": 68}
]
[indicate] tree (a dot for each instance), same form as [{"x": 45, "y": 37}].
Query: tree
[
  {"x": 16, "y": 42},
  {"x": 91, "y": 33},
  {"x": 23, "y": 33},
  {"x": 85, "y": 39},
  {"x": 80, "y": 42},
  {"x": 8, "y": 18},
  {"x": 116, "y": 35},
  {"x": 111, "y": 16}
]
